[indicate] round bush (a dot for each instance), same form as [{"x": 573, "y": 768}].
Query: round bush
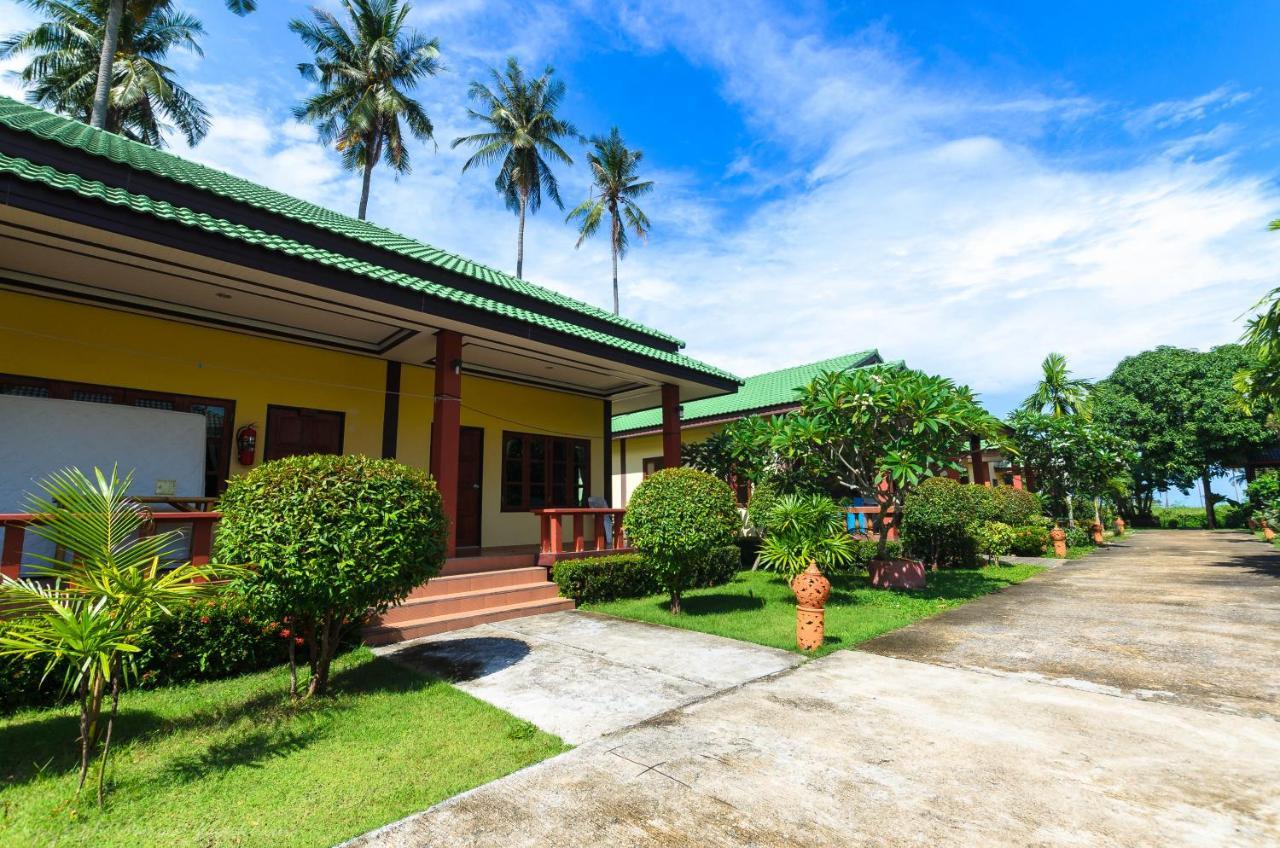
[
  {"x": 936, "y": 517},
  {"x": 1030, "y": 541},
  {"x": 993, "y": 539},
  {"x": 677, "y": 518},
  {"x": 329, "y": 538},
  {"x": 1015, "y": 507}
]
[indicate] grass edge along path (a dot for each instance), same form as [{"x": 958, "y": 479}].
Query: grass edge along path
[
  {"x": 758, "y": 606},
  {"x": 235, "y": 763}
]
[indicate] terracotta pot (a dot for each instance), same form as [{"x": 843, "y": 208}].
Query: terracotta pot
[
  {"x": 1119, "y": 526},
  {"x": 1096, "y": 529},
  {"x": 1059, "y": 537},
  {"x": 1267, "y": 532},
  {"x": 897, "y": 574},
  {"x": 810, "y": 627},
  {"x": 811, "y": 588}
]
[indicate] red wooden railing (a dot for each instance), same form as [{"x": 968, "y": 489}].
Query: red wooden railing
[
  {"x": 551, "y": 547},
  {"x": 14, "y": 526},
  {"x": 863, "y": 522}
]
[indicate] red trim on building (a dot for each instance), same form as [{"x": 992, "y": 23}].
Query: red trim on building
[{"x": 446, "y": 428}]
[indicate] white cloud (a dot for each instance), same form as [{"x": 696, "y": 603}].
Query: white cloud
[{"x": 1174, "y": 113}]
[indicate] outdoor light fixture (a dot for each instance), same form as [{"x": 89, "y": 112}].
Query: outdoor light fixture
[{"x": 456, "y": 365}]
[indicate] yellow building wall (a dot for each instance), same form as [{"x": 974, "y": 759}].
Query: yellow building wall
[
  {"x": 42, "y": 337},
  {"x": 640, "y": 448},
  {"x": 52, "y": 339},
  {"x": 497, "y": 407}
]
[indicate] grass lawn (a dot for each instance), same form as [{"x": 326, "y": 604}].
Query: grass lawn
[
  {"x": 235, "y": 763},
  {"x": 758, "y": 606}
]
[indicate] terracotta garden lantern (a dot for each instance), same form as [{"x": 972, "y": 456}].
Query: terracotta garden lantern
[
  {"x": 812, "y": 591},
  {"x": 1059, "y": 537},
  {"x": 1267, "y": 533},
  {"x": 1096, "y": 529},
  {"x": 1119, "y": 526}
]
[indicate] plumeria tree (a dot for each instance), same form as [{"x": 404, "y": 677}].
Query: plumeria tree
[{"x": 876, "y": 432}]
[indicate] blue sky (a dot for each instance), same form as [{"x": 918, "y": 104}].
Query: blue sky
[{"x": 966, "y": 186}]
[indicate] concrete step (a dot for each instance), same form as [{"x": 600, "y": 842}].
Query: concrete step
[
  {"x": 470, "y": 582},
  {"x": 434, "y": 606},
  {"x": 498, "y": 562},
  {"x": 406, "y": 630}
]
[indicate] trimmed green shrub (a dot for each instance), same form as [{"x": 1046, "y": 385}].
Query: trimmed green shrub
[
  {"x": 1078, "y": 537},
  {"x": 865, "y": 550},
  {"x": 1015, "y": 507},
  {"x": 329, "y": 538},
  {"x": 993, "y": 539},
  {"x": 936, "y": 516},
  {"x": 1031, "y": 540},
  {"x": 608, "y": 578},
  {"x": 206, "y": 640},
  {"x": 201, "y": 640},
  {"x": 676, "y": 518},
  {"x": 764, "y": 497}
]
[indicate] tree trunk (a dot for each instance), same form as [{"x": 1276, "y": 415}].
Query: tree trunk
[
  {"x": 370, "y": 159},
  {"x": 1071, "y": 513},
  {"x": 293, "y": 664},
  {"x": 111, "y": 720},
  {"x": 1210, "y": 519},
  {"x": 84, "y": 734},
  {"x": 675, "y": 603},
  {"x": 106, "y": 62},
  {"x": 524, "y": 203},
  {"x": 614, "y": 239}
]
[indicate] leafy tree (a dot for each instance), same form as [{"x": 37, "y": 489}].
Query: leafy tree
[
  {"x": 677, "y": 518},
  {"x": 1070, "y": 456},
  {"x": 1058, "y": 392},
  {"x": 65, "y": 49},
  {"x": 111, "y": 29},
  {"x": 1180, "y": 408},
  {"x": 523, "y": 127},
  {"x": 366, "y": 69},
  {"x": 615, "y": 188},
  {"x": 330, "y": 538},
  {"x": 883, "y": 424},
  {"x": 89, "y": 615}
]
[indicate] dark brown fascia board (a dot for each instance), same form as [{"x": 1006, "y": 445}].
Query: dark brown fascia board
[
  {"x": 90, "y": 166},
  {"x": 39, "y": 199},
  {"x": 710, "y": 420}
]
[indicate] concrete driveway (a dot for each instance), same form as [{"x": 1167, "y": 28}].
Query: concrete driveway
[{"x": 1126, "y": 699}]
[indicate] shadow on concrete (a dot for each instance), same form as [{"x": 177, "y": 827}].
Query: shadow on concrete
[{"x": 464, "y": 659}]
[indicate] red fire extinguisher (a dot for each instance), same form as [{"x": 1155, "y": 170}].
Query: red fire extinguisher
[{"x": 246, "y": 442}]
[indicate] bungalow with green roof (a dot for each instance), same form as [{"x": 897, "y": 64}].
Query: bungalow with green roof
[
  {"x": 642, "y": 441},
  {"x": 189, "y": 323}
]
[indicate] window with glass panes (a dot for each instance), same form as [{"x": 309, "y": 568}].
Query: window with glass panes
[{"x": 544, "y": 471}]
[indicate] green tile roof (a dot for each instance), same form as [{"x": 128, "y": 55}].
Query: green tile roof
[
  {"x": 762, "y": 391},
  {"x": 55, "y": 179},
  {"x": 73, "y": 134}
]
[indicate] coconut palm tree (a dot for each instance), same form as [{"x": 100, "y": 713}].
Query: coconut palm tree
[
  {"x": 523, "y": 127},
  {"x": 615, "y": 188},
  {"x": 105, "y": 79},
  {"x": 366, "y": 68},
  {"x": 63, "y": 70},
  {"x": 1058, "y": 392}
]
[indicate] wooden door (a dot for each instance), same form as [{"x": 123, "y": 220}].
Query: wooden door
[
  {"x": 470, "y": 485},
  {"x": 292, "y": 431}
]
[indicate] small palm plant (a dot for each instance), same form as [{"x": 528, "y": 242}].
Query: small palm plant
[
  {"x": 804, "y": 530},
  {"x": 87, "y": 616}
]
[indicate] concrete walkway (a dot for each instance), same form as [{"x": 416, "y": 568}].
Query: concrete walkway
[
  {"x": 580, "y": 675},
  {"x": 1124, "y": 699}
]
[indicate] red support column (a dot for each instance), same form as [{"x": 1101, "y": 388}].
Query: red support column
[
  {"x": 670, "y": 426},
  {"x": 979, "y": 467},
  {"x": 1017, "y": 477},
  {"x": 446, "y": 426}
]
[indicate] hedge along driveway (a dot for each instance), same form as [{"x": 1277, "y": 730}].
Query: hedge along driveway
[{"x": 758, "y": 606}]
